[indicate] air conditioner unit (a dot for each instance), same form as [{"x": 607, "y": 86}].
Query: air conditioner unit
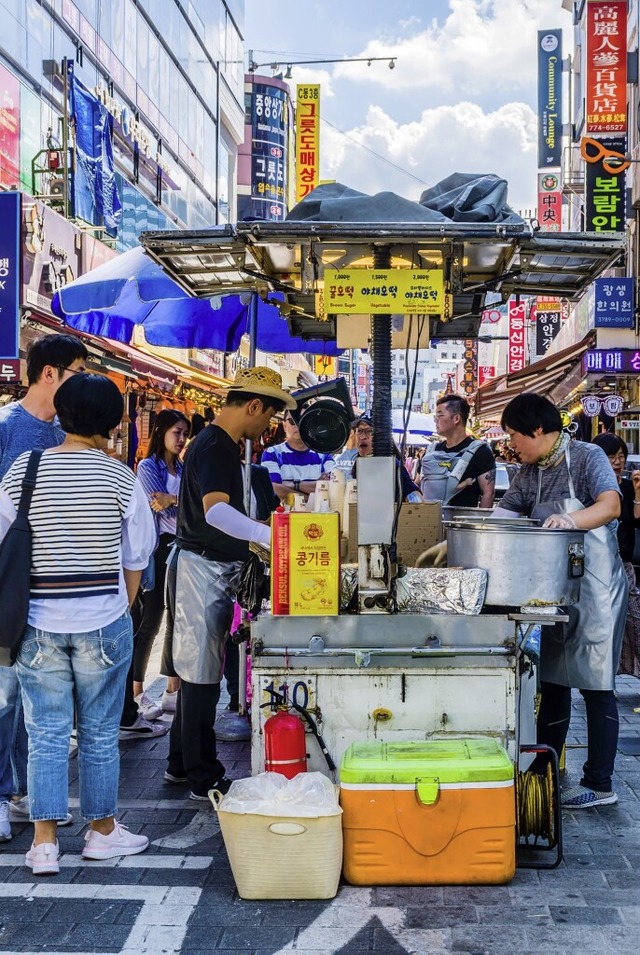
[{"x": 56, "y": 186}]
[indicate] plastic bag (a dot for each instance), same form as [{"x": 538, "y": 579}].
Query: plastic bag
[{"x": 272, "y": 794}]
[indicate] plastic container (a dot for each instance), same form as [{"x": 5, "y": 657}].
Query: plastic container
[
  {"x": 428, "y": 813},
  {"x": 276, "y": 856}
]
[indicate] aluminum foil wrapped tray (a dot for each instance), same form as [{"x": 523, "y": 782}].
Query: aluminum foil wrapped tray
[{"x": 442, "y": 590}]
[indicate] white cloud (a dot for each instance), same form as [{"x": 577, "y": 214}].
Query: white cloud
[{"x": 446, "y": 139}]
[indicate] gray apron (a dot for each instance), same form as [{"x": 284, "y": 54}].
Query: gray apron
[
  {"x": 584, "y": 653},
  {"x": 205, "y": 593}
]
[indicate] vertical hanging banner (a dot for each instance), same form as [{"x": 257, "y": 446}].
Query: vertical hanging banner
[
  {"x": 470, "y": 366},
  {"x": 613, "y": 303},
  {"x": 549, "y": 202},
  {"x": 549, "y": 98},
  {"x": 9, "y": 129},
  {"x": 307, "y": 139},
  {"x": 548, "y": 323},
  {"x": 269, "y": 134},
  {"x": 605, "y": 193},
  {"x": 9, "y": 275},
  {"x": 606, "y": 84},
  {"x": 516, "y": 358}
]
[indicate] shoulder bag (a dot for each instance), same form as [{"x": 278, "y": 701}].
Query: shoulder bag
[{"x": 15, "y": 570}]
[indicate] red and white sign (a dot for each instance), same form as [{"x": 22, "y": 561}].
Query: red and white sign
[
  {"x": 516, "y": 359},
  {"x": 9, "y": 370},
  {"x": 485, "y": 373},
  {"x": 549, "y": 202},
  {"x": 606, "y": 86},
  {"x": 9, "y": 129}
]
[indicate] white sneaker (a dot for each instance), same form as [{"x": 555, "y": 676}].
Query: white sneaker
[
  {"x": 120, "y": 842},
  {"x": 148, "y": 707},
  {"x": 19, "y": 812},
  {"x": 143, "y": 729},
  {"x": 168, "y": 701},
  {"x": 5, "y": 825},
  {"x": 43, "y": 859}
]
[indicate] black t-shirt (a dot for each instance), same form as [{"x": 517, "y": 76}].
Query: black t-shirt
[
  {"x": 212, "y": 463},
  {"x": 627, "y": 522},
  {"x": 481, "y": 462}
]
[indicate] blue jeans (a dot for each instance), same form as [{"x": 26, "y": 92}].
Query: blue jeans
[
  {"x": 60, "y": 671},
  {"x": 12, "y": 742}
]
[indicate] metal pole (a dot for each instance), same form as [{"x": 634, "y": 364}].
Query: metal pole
[
  {"x": 65, "y": 138},
  {"x": 381, "y": 345},
  {"x": 248, "y": 450}
]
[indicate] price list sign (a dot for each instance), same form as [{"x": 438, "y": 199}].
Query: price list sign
[{"x": 392, "y": 291}]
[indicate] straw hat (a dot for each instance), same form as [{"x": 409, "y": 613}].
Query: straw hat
[{"x": 261, "y": 381}]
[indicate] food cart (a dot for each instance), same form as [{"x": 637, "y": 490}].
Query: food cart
[{"x": 378, "y": 674}]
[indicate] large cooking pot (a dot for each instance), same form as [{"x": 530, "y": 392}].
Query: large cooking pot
[
  {"x": 527, "y": 566},
  {"x": 475, "y": 514}
]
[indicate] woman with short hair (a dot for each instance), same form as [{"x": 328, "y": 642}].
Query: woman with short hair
[{"x": 93, "y": 533}]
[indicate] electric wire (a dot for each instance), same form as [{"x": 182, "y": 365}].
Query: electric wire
[
  {"x": 374, "y": 153},
  {"x": 534, "y": 806}
]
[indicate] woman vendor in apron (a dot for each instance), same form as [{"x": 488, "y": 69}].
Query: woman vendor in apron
[{"x": 566, "y": 485}]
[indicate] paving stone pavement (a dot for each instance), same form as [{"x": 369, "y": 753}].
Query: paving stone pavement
[{"x": 179, "y": 896}]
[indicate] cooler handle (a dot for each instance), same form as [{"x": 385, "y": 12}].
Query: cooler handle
[
  {"x": 427, "y": 790},
  {"x": 287, "y": 828}
]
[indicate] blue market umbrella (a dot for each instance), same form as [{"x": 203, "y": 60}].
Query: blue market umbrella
[{"x": 132, "y": 289}]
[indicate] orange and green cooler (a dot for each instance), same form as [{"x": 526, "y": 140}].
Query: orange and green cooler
[{"x": 428, "y": 813}]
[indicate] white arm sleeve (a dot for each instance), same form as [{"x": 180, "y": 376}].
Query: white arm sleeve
[{"x": 226, "y": 519}]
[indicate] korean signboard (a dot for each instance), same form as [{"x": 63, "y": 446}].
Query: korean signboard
[
  {"x": 269, "y": 131},
  {"x": 9, "y": 129},
  {"x": 9, "y": 275},
  {"x": 516, "y": 358},
  {"x": 605, "y": 186},
  {"x": 549, "y": 98},
  {"x": 613, "y": 303},
  {"x": 307, "y": 139},
  {"x": 324, "y": 367},
  {"x": 469, "y": 381},
  {"x": 548, "y": 323},
  {"x": 613, "y": 361},
  {"x": 393, "y": 291},
  {"x": 549, "y": 202},
  {"x": 51, "y": 254},
  {"x": 606, "y": 84},
  {"x": 486, "y": 373}
]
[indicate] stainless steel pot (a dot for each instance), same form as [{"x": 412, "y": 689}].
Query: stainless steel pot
[{"x": 527, "y": 566}]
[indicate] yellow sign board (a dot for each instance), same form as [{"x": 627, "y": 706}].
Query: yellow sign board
[
  {"x": 307, "y": 139},
  {"x": 390, "y": 291},
  {"x": 323, "y": 365}
]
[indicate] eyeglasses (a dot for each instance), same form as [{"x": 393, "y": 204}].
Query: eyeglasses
[
  {"x": 617, "y": 457},
  {"x": 363, "y": 430},
  {"x": 289, "y": 420},
  {"x": 74, "y": 371}
]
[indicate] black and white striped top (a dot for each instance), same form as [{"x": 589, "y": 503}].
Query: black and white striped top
[{"x": 76, "y": 517}]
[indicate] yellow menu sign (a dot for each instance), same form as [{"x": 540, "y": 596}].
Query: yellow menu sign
[{"x": 367, "y": 291}]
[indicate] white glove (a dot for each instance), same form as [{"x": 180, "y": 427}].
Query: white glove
[
  {"x": 563, "y": 522},
  {"x": 435, "y": 556}
]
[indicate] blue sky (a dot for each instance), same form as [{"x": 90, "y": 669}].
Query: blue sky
[{"x": 462, "y": 97}]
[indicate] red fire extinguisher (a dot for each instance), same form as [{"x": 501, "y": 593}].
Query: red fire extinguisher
[{"x": 285, "y": 748}]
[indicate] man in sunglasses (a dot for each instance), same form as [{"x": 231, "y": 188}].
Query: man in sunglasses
[{"x": 291, "y": 465}]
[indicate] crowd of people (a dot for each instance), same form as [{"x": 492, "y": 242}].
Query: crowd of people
[{"x": 109, "y": 546}]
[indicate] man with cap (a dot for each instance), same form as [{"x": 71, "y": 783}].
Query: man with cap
[
  {"x": 363, "y": 432},
  {"x": 212, "y": 544}
]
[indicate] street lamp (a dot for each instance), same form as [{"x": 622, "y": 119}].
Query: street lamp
[{"x": 275, "y": 65}]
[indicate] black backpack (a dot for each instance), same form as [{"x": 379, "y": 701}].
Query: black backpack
[{"x": 15, "y": 571}]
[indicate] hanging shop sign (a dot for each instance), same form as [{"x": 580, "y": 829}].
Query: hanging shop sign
[
  {"x": 549, "y": 202},
  {"x": 613, "y": 361},
  {"x": 629, "y": 424},
  {"x": 325, "y": 367},
  {"x": 470, "y": 366},
  {"x": 485, "y": 373},
  {"x": 307, "y": 139},
  {"x": 548, "y": 323},
  {"x": 51, "y": 254},
  {"x": 605, "y": 185},
  {"x": 392, "y": 291},
  {"x": 516, "y": 357},
  {"x": 9, "y": 276},
  {"x": 612, "y": 405},
  {"x": 9, "y": 129},
  {"x": 549, "y": 98},
  {"x": 269, "y": 163},
  {"x": 606, "y": 82},
  {"x": 613, "y": 303}
]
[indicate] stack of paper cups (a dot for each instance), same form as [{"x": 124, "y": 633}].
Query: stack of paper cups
[
  {"x": 337, "y": 485},
  {"x": 350, "y": 497},
  {"x": 321, "y": 496}
]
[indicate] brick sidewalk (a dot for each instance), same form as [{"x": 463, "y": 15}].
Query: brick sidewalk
[{"x": 179, "y": 896}]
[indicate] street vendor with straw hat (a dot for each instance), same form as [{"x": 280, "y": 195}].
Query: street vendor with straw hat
[{"x": 212, "y": 544}]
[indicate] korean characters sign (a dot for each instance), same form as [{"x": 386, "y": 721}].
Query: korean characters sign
[
  {"x": 549, "y": 98},
  {"x": 616, "y": 361},
  {"x": 613, "y": 303},
  {"x": 549, "y": 202},
  {"x": 548, "y": 323},
  {"x": 606, "y": 85},
  {"x": 469, "y": 381},
  {"x": 269, "y": 122},
  {"x": 393, "y": 291},
  {"x": 307, "y": 139},
  {"x": 605, "y": 186},
  {"x": 485, "y": 373},
  {"x": 9, "y": 276},
  {"x": 516, "y": 359}
]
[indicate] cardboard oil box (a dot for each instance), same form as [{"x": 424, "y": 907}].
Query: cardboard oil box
[
  {"x": 419, "y": 527},
  {"x": 305, "y": 564},
  {"x": 428, "y": 813}
]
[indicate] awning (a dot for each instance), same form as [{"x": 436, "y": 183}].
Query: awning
[
  {"x": 554, "y": 375},
  {"x": 291, "y": 257}
]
